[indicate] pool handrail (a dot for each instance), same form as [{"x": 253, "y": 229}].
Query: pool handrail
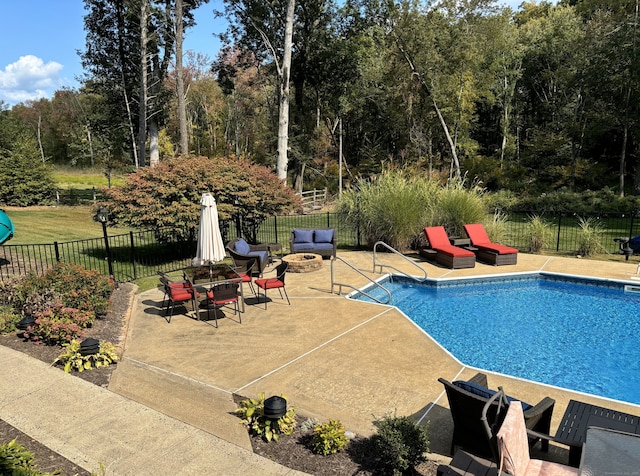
[
  {"x": 374, "y": 282},
  {"x": 393, "y": 250}
]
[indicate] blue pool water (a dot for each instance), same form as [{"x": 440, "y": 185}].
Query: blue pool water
[{"x": 577, "y": 334}]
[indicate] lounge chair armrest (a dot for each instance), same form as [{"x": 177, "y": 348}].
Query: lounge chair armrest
[
  {"x": 480, "y": 379},
  {"x": 543, "y": 406},
  {"x": 259, "y": 247},
  {"x": 540, "y": 436}
]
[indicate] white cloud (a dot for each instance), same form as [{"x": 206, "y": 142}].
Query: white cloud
[{"x": 29, "y": 78}]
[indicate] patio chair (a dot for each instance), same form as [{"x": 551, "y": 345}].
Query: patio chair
[
  {"x": 241, "y": 252},
  {"x": 510, "y": 442},
  {"x": 446, "y": 254},
  {"x": 245, "y": 270},
  {"x": 489, "y": 252},
  {"x": 177, "y": 293},
  {"x": 466, "y": 402},
  {"x": 223, "y": 295},
  {"x": 274, "y": 283}
]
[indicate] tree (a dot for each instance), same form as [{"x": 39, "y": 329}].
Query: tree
[
  {"x": 170, "y": 193},
  {"x": 24, "y": 178}
]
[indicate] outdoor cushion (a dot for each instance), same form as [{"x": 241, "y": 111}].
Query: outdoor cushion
[
  {"x": 303, "y": 236},
  {"x": 454, "y": 251},
  {"x": 480, "y": 239},
  {"x": 263, "y": 255},
  {"x": 312, "y": 246},
  {"x": 323, "y": 236},
  {"x": 485, "y": 392},
  {"x": 496, "y": 248},
  {"x": 242, "y": 247}
]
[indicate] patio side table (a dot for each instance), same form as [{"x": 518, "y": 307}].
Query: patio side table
[{"x": 579, "y": 416}]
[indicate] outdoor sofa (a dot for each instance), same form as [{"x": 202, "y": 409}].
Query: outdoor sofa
[{"x": 319, "y": 241}]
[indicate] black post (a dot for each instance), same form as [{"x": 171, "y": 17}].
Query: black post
[
  {"x": 108, "y": 250},
  {"x": 102, "y": 216},
  {"x": 133, "y": 255},
  {"x": 559, "y": 227}
]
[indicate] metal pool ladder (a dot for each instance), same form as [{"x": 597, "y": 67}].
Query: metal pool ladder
[
  {"x": 375, "y": 283},
  {"x": 372, "y": 281},
  {"x": 376, "y": 264}
]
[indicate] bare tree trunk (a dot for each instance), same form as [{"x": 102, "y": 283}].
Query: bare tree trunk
[
  {"x": 182, "y": 108},
  {"x": 455, "y": 163},
  {"x": 40, "y": 137},
  {"x": 283, "y": 119},
  {"x": 142, "y": 107}
]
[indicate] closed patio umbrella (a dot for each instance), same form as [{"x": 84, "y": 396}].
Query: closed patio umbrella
[{"x": 210, "y": 246}]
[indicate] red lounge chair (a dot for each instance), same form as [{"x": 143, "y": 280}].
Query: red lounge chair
[
  {"x": 274, "y": 283},
  {"x": 447, "y": 254},
  {"x": 489, "y": 252}
]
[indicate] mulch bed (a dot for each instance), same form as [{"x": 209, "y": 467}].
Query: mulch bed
[{"x": 290, "y": 451}]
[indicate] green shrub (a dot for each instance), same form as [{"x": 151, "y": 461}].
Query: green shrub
[
  {"x": 394, "y": 207},
  {"x": 400, "y": 444},
  {"x": 11, "y": 292},
  {"x": 74, "y": 360},
  {"x": 77, "y": 287},
  {"x": 59, "y": 325},
  {"x": 16, "y": 460},
  {"x": 539, "y": 232},
  {"x": 8, "y": 319},
  {"x": 329, "y": 438},
  {"x": 251, "y": 412},
  {"x": 589, "y": 237}
]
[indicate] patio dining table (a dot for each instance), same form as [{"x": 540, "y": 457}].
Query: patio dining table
[{"x": 207, "y": 277}]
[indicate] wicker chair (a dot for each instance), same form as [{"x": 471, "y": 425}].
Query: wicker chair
[
  {"x": 467, "y": 400},
  {"x": 243, "y": 253}
]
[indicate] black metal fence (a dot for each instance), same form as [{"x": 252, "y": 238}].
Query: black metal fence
[{"x": 139, "y": 254}]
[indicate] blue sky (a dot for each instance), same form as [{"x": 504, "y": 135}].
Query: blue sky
[{"x": 40, "y": 39}]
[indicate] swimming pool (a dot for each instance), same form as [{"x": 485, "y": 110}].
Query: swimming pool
[{"x": 579, "y": 334}]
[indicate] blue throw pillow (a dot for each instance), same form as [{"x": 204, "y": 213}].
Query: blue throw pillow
[
  {"x": 484, "y": 392},
  {"x": 474, "y": 388},
  {"x": 302, "y": 236},
  {"x": 242, "y": 247},
  {"x": 323, "y": 236}
]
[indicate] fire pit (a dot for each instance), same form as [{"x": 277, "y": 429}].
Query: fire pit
[{"x": 303, "y": 262}]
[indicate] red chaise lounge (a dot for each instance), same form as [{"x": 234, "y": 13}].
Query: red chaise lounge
[
  {"x": 447, "y": 254},
  {"x": 489, "y": 252}
]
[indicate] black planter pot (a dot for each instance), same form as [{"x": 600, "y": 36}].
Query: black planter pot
[{"x": 275, "y": 407}]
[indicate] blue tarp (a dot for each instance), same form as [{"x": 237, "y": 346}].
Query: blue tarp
[{"x": 6, "y": 227}]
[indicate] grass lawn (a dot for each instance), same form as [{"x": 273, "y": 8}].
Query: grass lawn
[
  {"x": 84, "y": 178},
  {"x": 36, "y": 225}
]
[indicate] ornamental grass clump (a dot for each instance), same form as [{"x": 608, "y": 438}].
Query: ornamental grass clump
[
  {"x": 457, "y": 206},
  {"x": 540, "y": 234},
  {"x": 391, "y": 207},
  {"x": 589, "y": 241}
]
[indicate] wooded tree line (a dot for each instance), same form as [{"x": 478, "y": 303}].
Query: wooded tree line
[{"x": 541, "y": 99}]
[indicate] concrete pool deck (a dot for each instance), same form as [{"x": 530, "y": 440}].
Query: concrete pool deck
[{"x": 332, "y": 358}]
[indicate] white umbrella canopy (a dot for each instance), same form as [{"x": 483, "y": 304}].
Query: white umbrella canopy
[{"x": 210, "y": 245}]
